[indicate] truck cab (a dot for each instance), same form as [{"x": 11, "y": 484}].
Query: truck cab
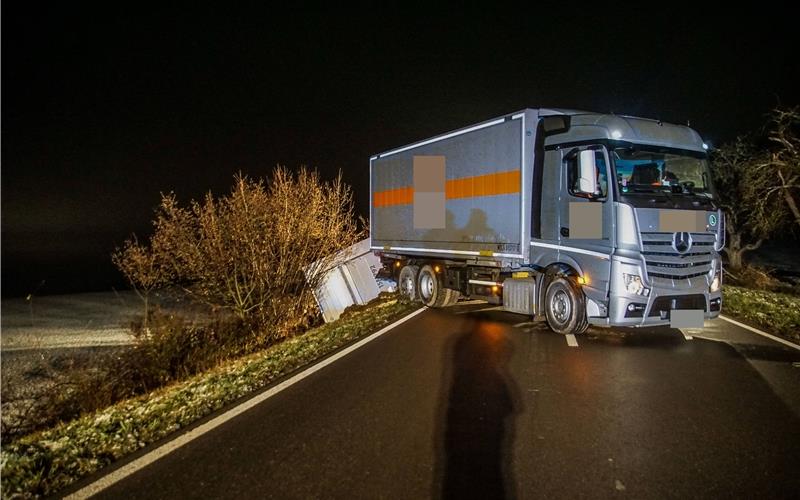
[{"x": 634, "y": 217}]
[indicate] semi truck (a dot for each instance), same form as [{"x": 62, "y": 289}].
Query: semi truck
[{"x": 571, "y": 217}]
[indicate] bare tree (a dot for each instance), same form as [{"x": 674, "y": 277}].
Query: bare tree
[
  {"x": 741, "y": 180},
  {"x": 784, "y": 161},
  {"x": 141, "y": 268}
]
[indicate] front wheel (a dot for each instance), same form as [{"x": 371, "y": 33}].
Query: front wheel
[{"x": 565, "y": 307}]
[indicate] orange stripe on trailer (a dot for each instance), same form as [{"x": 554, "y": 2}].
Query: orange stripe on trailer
[
  {"x": 399, "y": 196},
  {"x": 483, "y": 185},
  {"x": 466, "y": 187}
]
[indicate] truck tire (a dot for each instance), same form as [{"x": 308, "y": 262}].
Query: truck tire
[
  {"x": 431, "y": 289},
  {"x": 565, "y": 307},
  {"x": 407, "y": 283}
]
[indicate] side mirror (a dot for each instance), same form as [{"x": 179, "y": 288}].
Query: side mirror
[{"x": 588, "y": 172}]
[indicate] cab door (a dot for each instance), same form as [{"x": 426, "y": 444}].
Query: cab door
[{"x": 586, "y": 214}]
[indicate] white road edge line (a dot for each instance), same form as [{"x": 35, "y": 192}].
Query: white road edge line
[
  {"x": 163, "y": 450},
  {"x": 759, "y": 332},
  {"x": 571, "y": 340}
]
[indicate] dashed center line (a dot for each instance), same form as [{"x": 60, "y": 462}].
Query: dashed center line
[{"x": 571, "y": 340}]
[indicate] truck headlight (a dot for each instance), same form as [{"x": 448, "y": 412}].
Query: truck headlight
[
  {"x": 716, "y": 282},
  {"x": 634, "y": 285}
]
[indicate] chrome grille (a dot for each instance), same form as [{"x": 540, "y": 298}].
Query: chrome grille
[{"x": 664, "y": 262}]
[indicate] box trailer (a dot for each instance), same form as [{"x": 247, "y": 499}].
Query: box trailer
[{"x": 572, "y": 217}]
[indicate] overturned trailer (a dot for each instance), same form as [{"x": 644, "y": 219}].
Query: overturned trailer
[{"x": 350, "y": 278}]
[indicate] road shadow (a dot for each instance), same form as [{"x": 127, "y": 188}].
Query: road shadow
[{"x": 475, "y": 424}]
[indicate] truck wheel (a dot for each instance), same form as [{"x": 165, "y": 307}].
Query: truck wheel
[
  {"x": 431, "y": 291},
  {"x": 565, "y": 307},
  {"x": 407, "y": 283}
]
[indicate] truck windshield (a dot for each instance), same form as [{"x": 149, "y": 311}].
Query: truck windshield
[{"x": 661, "y": 171}]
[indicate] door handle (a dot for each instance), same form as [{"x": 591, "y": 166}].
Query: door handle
[{"x": 565, "y": 232}]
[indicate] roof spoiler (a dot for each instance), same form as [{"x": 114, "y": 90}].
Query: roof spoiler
[{"x": 555, "y": 124}]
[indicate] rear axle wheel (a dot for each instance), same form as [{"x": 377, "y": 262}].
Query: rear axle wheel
[
  {"x": 407, "y": 283},
  {"x": 432, "y": 290}
]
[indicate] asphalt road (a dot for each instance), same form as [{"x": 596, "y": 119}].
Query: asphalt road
[{"x": 471, "y": 404}]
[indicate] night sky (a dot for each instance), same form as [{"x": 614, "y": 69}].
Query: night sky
[{"x": 104, "y": 109}]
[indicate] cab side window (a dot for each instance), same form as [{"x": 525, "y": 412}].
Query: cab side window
[{"x": 573, "y": 176}]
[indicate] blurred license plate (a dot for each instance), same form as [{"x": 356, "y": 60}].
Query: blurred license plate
[{"x": 686, "y": 318}]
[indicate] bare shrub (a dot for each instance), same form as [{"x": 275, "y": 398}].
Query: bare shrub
[
  {"x": 256, "y": 252},
  {"x": 175, "y": 348},
  {"x": 142, "y": 269}
]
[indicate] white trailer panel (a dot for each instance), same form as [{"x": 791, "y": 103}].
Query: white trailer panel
[{"x": 350, "y": 281}]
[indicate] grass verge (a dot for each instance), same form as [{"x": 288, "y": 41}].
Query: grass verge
[
  {"x": 777, "y": 313},
  {"x": 46, "y": 462}
]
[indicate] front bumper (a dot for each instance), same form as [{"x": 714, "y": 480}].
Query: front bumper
[
  {"x": 656, "y": 309},
  {"x": 625, "y": 309}
]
